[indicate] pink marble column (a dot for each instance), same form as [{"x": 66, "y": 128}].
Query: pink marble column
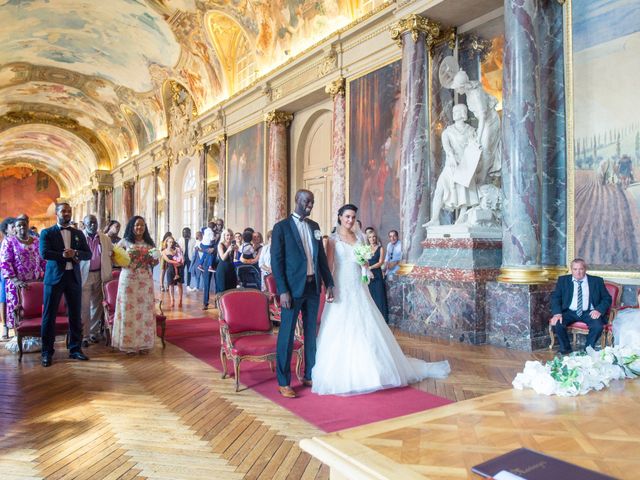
[
  {"x": 128, "y": 199},
  {"x": 278, "y": 123},
  {"x": 416, "y": 35},
  {"x": 222, "y": 175},
  {"x": 101, "y": 211},
  {"x": 339, "y": 137}
]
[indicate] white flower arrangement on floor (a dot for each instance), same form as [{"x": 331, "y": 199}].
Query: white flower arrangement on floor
[{"x": 580, "y": 372}]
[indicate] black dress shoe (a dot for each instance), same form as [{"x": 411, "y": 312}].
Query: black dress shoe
[
  {"x": 46, "y": 361},
  {"x": 78, "y": 356}
]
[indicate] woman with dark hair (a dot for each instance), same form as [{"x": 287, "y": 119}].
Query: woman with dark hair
[
  {"x": 20, "y": 262},
  {"x": 174, "y": 259},
  {"x": 112, "y": 230},
  {"x": 357, "y": 352},
  {"x": 134, "y": 323},
  {"x": 163, "y": 264},
  {"x": 6, "y": 228}
]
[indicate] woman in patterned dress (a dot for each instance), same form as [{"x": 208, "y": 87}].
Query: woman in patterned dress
[
  {"x": 134, "y": 323},
  {"x": 20, "y": 263}
]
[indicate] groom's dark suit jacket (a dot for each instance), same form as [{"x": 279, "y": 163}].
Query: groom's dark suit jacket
[
  {"x": 289, "y": 261},
  {"x": 51, "y": 248},
  {"x": 563, "y": 294}
]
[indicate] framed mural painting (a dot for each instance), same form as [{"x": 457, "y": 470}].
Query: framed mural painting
[
  {"x": 246, "y": 157},
  {"x": 602, "y": 45},
  {"x": 374, "y": 124}
]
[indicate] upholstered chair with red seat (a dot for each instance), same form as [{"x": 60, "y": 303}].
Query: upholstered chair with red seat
[
  {"x": 115, "y": 274},
  {"x": 110, "y": 293},
  {"x": 29, "y": 314},
  {"x": 581, "y": 328},
  {"x": 274, "y": 298},
  {"x": 246, "y": 331}
]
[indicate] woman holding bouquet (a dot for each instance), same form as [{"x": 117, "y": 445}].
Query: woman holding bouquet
[
  {"x": 134, "y": 323},
  {"x": 357, "y": 353}
]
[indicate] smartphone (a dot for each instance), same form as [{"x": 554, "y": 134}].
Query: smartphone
[{"x": 233, "y": 242}]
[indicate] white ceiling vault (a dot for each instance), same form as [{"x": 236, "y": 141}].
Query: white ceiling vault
[{"x": 81, "y": 81}]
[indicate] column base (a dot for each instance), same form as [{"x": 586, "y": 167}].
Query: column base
[
  {"x": 553, "y": 272},
  {"x": 529, "y": 276}
]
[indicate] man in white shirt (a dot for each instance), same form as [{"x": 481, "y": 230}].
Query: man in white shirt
[{"x": 393, "y": 256}]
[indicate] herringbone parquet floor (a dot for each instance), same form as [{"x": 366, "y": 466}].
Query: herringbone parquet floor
[{"x": 170, "y": 416}]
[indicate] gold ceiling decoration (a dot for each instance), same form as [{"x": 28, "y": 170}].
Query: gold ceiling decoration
[{"x": 415, "y": 25}]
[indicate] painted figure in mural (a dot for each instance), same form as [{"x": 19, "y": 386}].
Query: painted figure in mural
[
  {"x": 451, "y": 193},
  {"x": 482, "y": 105}
]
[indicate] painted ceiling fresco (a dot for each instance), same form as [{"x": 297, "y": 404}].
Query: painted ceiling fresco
[
  {"x": 102, "y": 65},
  {"x": 54, "y": 150}
]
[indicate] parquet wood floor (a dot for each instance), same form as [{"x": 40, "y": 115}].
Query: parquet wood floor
[{"x": 170, "y": 416}]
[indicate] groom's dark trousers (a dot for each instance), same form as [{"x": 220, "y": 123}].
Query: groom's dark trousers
[{"x": 308, "y": 304}]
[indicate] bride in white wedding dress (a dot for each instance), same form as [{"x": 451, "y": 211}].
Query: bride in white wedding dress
[{"x": 356, "y": 351}]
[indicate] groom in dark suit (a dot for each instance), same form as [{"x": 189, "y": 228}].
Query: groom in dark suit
[
  {"x": 579, "y": 298},
  {"x": 63, "y": 247},
  {"x": 299, "y": 265}
]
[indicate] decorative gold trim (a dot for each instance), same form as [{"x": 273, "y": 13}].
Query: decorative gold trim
[
  {"x": 416, "y": 24},
  {"x": 475, "y": 44},
  {"x": 279, "y": 118},
  {"x": 529, "y": 276},
  {"x": 336, "y": 87},
  {"x": 219, "y": 140},
  {"x": 405, "y": 268},
  {"x": 553, "y": 272}
]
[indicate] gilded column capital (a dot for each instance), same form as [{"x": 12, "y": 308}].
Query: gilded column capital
[
  {"x": 128, "y": 184},
  {"x": 475, "y": 44},
  {"x": 416, "y": 24},
  {"x": 278, "y": 117},
  {"x": 220, "y": 140},
  {"x": 336, "y": 87}
]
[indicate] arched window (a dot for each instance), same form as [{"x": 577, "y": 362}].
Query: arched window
[
  {"x": 245, "y": 73},
  {"x": 189, "y": 196}
]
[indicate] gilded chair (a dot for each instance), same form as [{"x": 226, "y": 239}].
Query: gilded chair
[
  {"x": 246, "y": 332},
  {"x": 581, "y": 328}
]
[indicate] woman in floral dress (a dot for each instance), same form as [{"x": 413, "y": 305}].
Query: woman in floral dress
[
  {"x": 20, "y": 262},
  {"x": 134, "y": 324}
]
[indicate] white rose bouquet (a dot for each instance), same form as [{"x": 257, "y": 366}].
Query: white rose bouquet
[{"x": 363, "y": 254}]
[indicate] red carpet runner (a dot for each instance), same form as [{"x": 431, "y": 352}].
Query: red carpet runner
[{"x": 200, "y": 337}]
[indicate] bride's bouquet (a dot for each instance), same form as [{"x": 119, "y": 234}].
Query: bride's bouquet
[
  {"x": 144, "y": 257},
  {"x": 363, "y": 254}
]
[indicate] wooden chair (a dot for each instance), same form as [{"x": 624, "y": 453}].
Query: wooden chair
[
  {"x": 110, "y": 294},
  {"x": 581, "y": 328},
  {"x": 274, "y": 298},
  {"x": 246, "y": 332},
  {"x": 28, "y": 314}
]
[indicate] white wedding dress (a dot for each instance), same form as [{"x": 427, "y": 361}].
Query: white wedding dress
[
  {"x": 626, "y": 328},
  {"x": 356, "y": 351}
]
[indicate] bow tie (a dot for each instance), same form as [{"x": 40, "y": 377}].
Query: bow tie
[{"x": 65, "y": 228}]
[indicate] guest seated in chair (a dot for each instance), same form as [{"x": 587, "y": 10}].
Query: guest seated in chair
[{"x": 579, "y": 298}]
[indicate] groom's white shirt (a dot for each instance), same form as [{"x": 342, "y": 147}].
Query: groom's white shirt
[{"x": 305, "y": 235}]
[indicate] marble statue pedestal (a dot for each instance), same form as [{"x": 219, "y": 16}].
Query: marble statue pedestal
[
  {"x": 517, "y": 316},
  {"x": 445, "y": 294}
]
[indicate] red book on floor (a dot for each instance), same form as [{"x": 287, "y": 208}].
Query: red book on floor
[{"x": 532, "y": 465}]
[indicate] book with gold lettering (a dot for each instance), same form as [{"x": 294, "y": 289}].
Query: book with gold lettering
[{"x": 532, "y": 465}]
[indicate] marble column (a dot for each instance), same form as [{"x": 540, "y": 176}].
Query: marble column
[
  {"x": 167, "y": 196},
  {"x": 415, "y": 34},
  {"x": 128, "y": 199},
  {"x": 553, "y": 141},
  {"x": 101, "y": 211},
  {"x": 440, "y": 118},
  {"x": 93, "y": 205},
  {"x": 278, "y": 123},
  {"x": 522, "y": 127},
  {"x": 221, "y": 141},
  {"x": 204, "y": 204},
  {"x": 472, "y": 51},
  {"x": 154, "y": 208},
  {"x": 339, "y": 138}
]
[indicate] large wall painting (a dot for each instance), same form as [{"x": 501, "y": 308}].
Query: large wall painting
[
  {"x": 605, "y": 39},
  {"x": 18, "y": 184},
  {"x": 245, "y": 179},
  {"x": 374, "y": 124}
]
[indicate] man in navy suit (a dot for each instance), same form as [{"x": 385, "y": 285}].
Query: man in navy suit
[
  {"x": 63, "y": 247},
  {"x": 299, "y": 265},
  {"x": 579, "y": 298}
]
